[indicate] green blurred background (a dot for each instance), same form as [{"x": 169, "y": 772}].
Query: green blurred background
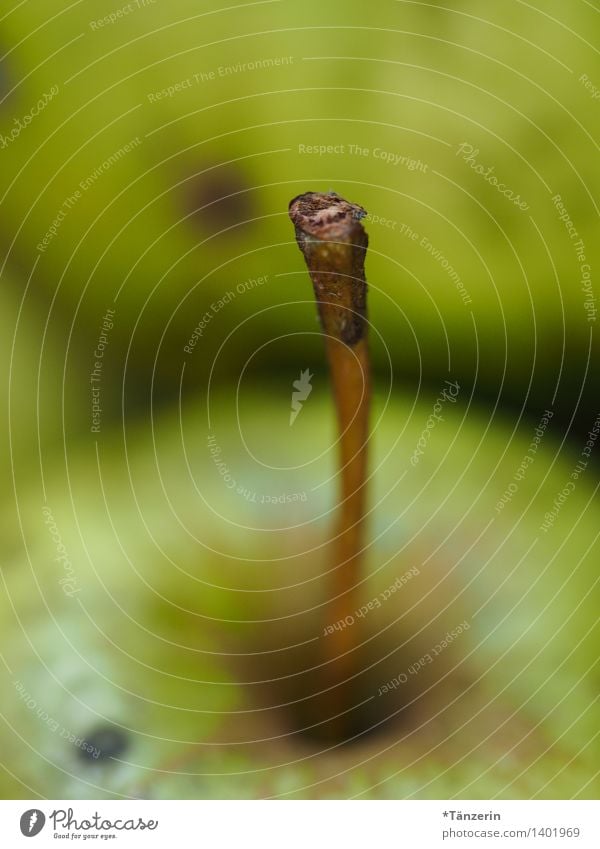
[
  {"x": 219, "y": 108},
  {"x": 147, "y": 257}
]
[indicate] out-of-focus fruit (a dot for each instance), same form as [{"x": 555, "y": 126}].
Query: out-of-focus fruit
[{"x": 174, "y": 566}]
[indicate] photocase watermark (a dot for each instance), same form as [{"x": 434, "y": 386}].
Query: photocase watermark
[
  {"x": 248, "y": 494},
  {"x": 448, "y": 393},
  {"x": 53, "y": 724},
  {"x": 119, "y": 14},
  {"x": 423, "y": 241},
  {"x": 32, "y": 822},
  {"x": 550, "y": 516},
  {"x": 25, "y": 121},
  {"x": 388, "y": 156},
  {"x": 66, "y": 206},
  {"x": 95, "y": 823},
  {"x": 590, "y": 442},
  {"x": 425, "y": 660},
  {"x": 72, "y": 200},
  {"x": 526, "y": 462},
  {"x": 559, "y": 501},
  {"x": 69, "y": 580},
  {"x": 469, "y": 155},
  {"x": 96, "y": 374},
  {"x": 593, "y": 90},
  {"x": 303, "y": 387},
  {"x": 218, "y": 305},
  {"x": 585, "y": 269},
  {"x": 108, "y": 163},
  {"x": 202, "y": 77},
  {"x": 373, "y": 604},
  {"x": 382, "y": 221}
]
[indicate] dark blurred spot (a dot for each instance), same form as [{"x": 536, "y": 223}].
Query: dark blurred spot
[
  {"x": 103, "y": 743},
  {"x": 218, "y": 199}
]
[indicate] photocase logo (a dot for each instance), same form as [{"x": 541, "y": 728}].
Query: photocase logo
[
  {"x": 32, "y": 822},
  {"x": 303, "y": 389}
]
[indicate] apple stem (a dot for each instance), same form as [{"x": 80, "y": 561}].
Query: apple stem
[{"x": 334, "y": 245}]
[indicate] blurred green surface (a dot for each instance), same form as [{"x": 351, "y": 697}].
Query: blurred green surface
[
  {"x": 199, "y": 203},
  {"x": 167, "y": 207},
  {"x": 173, "y": 592}
]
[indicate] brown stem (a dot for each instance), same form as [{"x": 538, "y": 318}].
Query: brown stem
[{"x": 334, "y": 244}]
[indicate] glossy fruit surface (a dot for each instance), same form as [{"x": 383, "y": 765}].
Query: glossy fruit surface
[
  {"x": 181, "y": 135},
  {"x": 164, "y": 610}
]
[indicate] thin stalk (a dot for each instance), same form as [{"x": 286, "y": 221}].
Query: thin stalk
[{"x": 334, "y": 245}]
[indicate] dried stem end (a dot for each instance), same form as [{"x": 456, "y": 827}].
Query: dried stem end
[
  {"x": 332, "y": 239},
  {"x": 334, "y": 244}
]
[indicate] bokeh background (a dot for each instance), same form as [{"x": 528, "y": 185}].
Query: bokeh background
[
  {"x": 200, "y": 202},
  {"x": 143, "y": 215}
]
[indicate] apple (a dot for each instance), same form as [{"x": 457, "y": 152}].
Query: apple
[
  {"x": 177, "y": 137},
  {"x": 163, "y": 627}
]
